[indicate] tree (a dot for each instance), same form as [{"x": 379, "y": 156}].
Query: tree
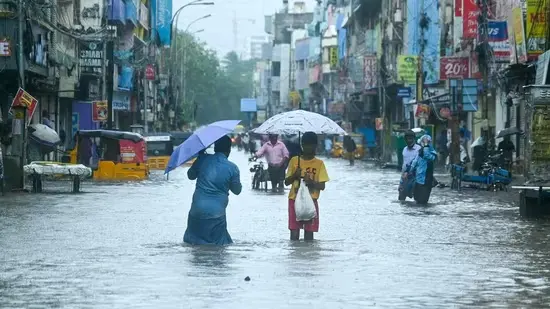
[{"x": 207, "y": 89}]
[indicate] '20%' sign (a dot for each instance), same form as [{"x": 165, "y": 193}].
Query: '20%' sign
[{"x": 454, "y": 68}]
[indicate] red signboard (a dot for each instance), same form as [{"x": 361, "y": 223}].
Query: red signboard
[
  {"x": 454, "y": 68},
  {"x": 100, "y": 111},
  {"x": 150, "y": 72},
  {"x": 458, "y": 8},
  {"x": 24, "y": 99},
  {"x": 470, "y": 12}
]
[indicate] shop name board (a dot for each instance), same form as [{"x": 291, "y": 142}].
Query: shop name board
[
  {"x": 5, "y": 48},
  {"x": 91, "y": 58}
]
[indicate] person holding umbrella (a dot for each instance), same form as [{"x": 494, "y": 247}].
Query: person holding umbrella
[{"x": 216, "y": 176}]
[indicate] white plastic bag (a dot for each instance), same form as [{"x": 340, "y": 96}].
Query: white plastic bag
[{"x": 303, "y": 205}]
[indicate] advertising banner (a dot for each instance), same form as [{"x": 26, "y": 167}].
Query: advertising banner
[
  {"x": 498, "y": 40},
  {"x": 536, "y": 23},
  {"x": 161, "y": 18},
  {"x": 26, "y": 100},
  {"x": 91, "y": 58},
  {"x": 370, "y": 72},
  {"x": 470, "y": 21},
  {"x": 518, "y": 52},
  {"x": 100, "y": 111},
  {"x": 407, "y": 66},
  {"x": 454, "y": 67}
]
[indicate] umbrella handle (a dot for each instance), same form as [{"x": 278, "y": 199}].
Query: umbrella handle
[{"x": 300, "y": 143}]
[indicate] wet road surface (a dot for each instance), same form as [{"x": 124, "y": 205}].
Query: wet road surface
[{"x": 120, "y": 246}]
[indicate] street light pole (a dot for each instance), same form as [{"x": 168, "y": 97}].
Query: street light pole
[{"x": 173, "y": 29}]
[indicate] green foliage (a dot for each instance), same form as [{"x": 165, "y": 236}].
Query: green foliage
[{"x": 213, "y": 88}]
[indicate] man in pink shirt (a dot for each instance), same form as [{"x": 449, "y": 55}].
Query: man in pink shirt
[{"x": 276, "y": 155}]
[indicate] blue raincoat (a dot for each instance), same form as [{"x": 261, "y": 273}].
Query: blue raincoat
[
  {"x": 216, "y": 176},
  {"x": 418, "y": 179},
  {"x": 422, "y": 165}
]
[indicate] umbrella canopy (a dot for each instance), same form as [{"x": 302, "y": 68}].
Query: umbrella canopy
[
  {"x": 44, "y": 135},
  {"x": 200, "y": 140},
  {"x": 299, "y": 121},
  {"x": 509, "y": 132}
]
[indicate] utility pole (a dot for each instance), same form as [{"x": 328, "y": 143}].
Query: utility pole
[
  {"x": 484, "y": 65},
  {"x": 21, "y": 68},
  {"x": 420, "y": 70}
]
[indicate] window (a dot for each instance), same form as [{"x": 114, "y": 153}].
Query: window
[{"x": 276, "y": 68}]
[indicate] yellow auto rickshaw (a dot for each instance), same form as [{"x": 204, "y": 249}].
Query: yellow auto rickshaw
[
  {"x": 112, "y": 155},
  {"x": 159, "y": 149},
  {"x": 338, "y": 150}
]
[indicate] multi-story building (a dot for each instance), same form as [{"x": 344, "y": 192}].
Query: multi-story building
[{"x": 255, "y": 44}]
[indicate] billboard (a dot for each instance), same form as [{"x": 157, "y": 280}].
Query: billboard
[
  {"x": 431, "y": 36},
  {"x": 249, "y": 106}
]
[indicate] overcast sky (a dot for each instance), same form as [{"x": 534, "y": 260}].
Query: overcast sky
[{"x": 218, "y": 29}]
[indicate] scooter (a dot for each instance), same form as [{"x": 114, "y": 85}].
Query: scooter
[
  {"x": 491, "y": 175},
  {"x": 260, "y": 176}
]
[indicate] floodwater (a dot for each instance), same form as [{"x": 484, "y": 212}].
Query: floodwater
[{"x": 120, "y": 246}]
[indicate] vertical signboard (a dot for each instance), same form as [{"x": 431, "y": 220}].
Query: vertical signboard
[
  {"x": 518, "y": 53},
  {"x": 370, "y": 72},
  {"x": 91, "y": 58},
  {"x": 498, "y": 39},
  {"x": 470, "y": 21},
  {"x": 100, "y": 111},
  {"x": 536, "y": 23},
  {"x": 407, "y": 66}
]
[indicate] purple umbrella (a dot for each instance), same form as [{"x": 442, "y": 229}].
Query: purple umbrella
[{"x": 200, "y": 140}]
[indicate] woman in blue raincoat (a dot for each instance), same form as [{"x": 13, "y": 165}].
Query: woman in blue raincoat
[{"x": 422, "y": 168}]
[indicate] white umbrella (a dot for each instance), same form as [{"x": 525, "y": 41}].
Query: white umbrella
[
  {"x": 299, "y": 121},
  {"x": 44, "y": 135}
]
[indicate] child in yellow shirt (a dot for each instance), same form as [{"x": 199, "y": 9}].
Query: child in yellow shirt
[{"x": 314, "y": 173}]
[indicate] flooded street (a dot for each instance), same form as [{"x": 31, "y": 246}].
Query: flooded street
[{"x": 120, "y": 246}]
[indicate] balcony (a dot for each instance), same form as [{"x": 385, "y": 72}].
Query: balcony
[
  {"x": 131, "y": 12},
  {"x": 117, "y": 12}
]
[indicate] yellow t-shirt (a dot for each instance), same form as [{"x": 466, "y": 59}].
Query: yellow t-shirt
[{"x": 316, "y": 170}]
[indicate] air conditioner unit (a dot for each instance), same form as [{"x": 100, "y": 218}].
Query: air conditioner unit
[{"x": 398, "y": 16}]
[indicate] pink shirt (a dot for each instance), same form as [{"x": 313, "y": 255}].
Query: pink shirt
[{"x": 275, "y": 154}]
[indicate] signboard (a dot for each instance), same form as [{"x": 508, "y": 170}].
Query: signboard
[
  {"x": 75, "y": 123},
  {"x": 5, "y": 48},
  {"x": 422, "y": 111},
  {"x": 333, "y": 58},
  {"x": 470, "y": 91},
  {"x": 407, "y": 66},
  {"x": 91, "y": 58},
  {"x": 150, "y": 72},
  {"x": 517, "y": 37},
  {"x": 404, "y": 92},
  {"x": 542, "y": 68},
  {"x": 248, "y": 105},
  {"x": 536, "y": 23},
  {"x": 100, "y": 111},
  {"x": 454, "y": 67},
  {"x": 379, "y": 124},
  {"x": 470, "y": 21},
  {"x": 164, "y": 21},
  {"x": 24, "y": 99},
  {"x": 370, "y": 72},
  {"x": 498, "y": 39}
]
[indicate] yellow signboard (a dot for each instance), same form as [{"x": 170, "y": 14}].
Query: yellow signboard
[
  {"x": 536, "y": 26},
  {"x": 407, "y": 66},
  {"x": 519, "y": 52},
  {"x": 333, "y": 57}
]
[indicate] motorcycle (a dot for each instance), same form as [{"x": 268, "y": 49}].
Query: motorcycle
[{"x": 260, "y": 176}]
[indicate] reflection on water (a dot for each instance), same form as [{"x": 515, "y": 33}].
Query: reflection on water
[{"x": 119, "y": 246}]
